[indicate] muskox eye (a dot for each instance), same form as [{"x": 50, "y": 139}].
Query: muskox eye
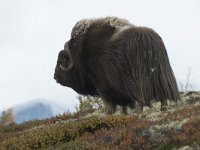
[{"x": 72, "y": 42}]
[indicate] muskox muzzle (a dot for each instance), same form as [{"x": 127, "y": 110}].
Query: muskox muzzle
[{"x": 66, "y": 62}]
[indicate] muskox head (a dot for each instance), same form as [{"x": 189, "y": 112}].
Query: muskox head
[
  {"x": 64, "y": 66},
  {"x": 67, "y": 71}
]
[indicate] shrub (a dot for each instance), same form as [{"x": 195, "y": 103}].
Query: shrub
[
  {"x": 88, "y": 103},
  {"x": 6, "y": 117}
]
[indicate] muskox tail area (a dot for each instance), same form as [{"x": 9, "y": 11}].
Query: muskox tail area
[{"x": 152, "y": 74}]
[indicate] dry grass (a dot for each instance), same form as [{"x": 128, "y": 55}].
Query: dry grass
[{"x": 179, "y": 126}]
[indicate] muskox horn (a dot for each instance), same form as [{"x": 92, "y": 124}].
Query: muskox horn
[{"x": 70, "y": 65}]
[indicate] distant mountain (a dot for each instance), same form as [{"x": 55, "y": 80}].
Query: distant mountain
[{"x": 32, "y": 110}]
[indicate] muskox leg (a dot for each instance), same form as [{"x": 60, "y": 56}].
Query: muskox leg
[
  {"x": 139, "y": 108},
  {"x": 110, "y": 108},
  {"x": 163, "y": 105},
  {"x": 124, "y": 110}
]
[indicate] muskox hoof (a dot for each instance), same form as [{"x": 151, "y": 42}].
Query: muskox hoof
[
  {"x": 109, "y": 108},
  {"x": 109, "y": 111},
  {"x": 139, "y": 108},
  {"x": 163, "y": 108},
  {"x": 163, "y": 105}
]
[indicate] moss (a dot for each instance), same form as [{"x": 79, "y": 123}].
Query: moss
[
  {"x": 52, "y": 134},
  {"x": 177, "y": 127}
]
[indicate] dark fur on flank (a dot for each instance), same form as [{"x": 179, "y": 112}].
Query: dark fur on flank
[{"x": 122, "y": 63}]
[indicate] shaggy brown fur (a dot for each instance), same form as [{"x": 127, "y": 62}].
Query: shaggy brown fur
[{"x": 117, "y": 61}]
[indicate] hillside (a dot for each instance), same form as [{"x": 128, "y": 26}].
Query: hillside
[
  {"x": 32, "y": 110},
  {"x": 177, "y": 128}
]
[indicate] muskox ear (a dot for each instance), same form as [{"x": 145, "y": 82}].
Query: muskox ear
[{"x": 81, "y": 27}]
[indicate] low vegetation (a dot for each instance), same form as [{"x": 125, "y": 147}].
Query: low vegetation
[{"x": 89, "y": 128}]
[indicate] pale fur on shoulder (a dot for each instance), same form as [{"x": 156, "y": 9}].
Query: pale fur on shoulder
[
  {"x": 119, "y": 24},
  {"x": 116, "y": 22},
  {"x": 82, "y": 26}
]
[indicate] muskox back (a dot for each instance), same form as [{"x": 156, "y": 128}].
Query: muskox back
[{"x": 153, "y": 78}]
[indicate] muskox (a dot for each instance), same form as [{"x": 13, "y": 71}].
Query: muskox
[{"x": 122, "y": 63}]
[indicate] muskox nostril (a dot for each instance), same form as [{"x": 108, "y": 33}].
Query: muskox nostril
[{"x": 54, "y": 77}]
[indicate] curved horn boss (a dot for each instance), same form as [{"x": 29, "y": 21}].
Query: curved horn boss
[{"x": 66, "y": 62}]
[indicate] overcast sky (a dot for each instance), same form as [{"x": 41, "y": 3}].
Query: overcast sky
[{"x": 32, "y": 32}]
